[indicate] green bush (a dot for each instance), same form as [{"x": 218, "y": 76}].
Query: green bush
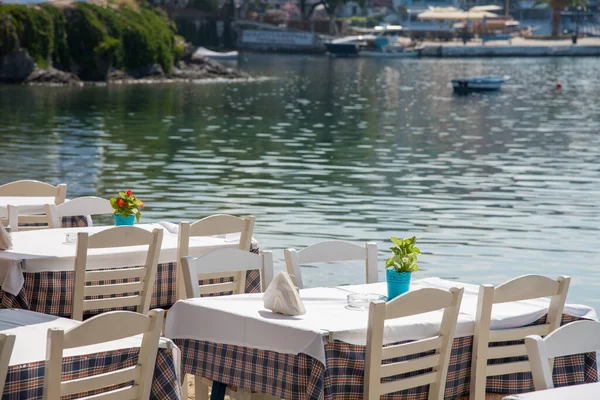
[
  {"x": 60, "y": 55},
  {"x": 179, "y": 48},
  {"x": 364, "y": 22},
  {"x": 88, "y": 39},
  {"x": 8, "y": 35},
  {"x": 34, "y": 29}
]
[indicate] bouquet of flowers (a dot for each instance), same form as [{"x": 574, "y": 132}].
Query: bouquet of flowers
[{"x": 126, "y": 204}]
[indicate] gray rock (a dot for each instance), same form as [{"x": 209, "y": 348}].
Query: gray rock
[
  {"x": 16, "y": 66},
  {"x": 153, "y": 70},
  {"x": 52, "y": 76},
  {"x": 116, "y": 75}
]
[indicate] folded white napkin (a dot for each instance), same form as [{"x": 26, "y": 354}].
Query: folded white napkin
[
  {"x": 5, "y": 240},
  {"x": 282, "y": 297}
]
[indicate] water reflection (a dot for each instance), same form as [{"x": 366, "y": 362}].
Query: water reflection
[{"x": 493, "y": 185}]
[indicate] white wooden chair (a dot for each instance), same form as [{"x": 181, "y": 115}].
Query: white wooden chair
[
  {"x": 574, "y": 338},
  {"x": 100, "y": 329},
  {"x": 522, "y": 288},
  {"x": 7, "y": 342},
  {"x": 120, "y": 236},
  {"x": 14, "y": 219},
  {"x": 89, "y": 205},
  {"x": 30, "y": 188},
  {"x": 332, "y": 251},
  {"x": 219, "y": 224},
  {"x": 411, "y": 303},
  {"x": 225, "y": 262}
]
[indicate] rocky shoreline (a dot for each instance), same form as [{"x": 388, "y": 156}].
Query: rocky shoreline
[
  {"x": 88, "y": 44},
  {"x": 19, "y": 68}
]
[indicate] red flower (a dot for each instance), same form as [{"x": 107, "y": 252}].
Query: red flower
[
  {"x": 142, "y": 204},
  {"x": 120, "y": 202},
  {"x": 129, "y": 193}
]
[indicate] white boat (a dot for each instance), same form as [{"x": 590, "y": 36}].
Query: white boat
[
  {"x": 390, "y": 52},
  {"x": 479, "y": 83},
  {"x": 215, "y": 55},
  {"x": 380, "y": 42}
]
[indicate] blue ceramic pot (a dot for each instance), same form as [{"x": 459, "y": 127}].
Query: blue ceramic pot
[
  {"x": 124, "y": 221},
  {"x": 397, "y": 282}
]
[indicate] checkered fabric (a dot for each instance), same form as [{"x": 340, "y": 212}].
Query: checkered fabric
[
  {"x": 26, "y": 381},
  {"x": 50, "y": 292},
  {"x": 302, "y": 377},
  {"x": 79, "y": 221}
]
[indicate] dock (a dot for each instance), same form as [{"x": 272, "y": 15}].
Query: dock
[{"x": 518, "y": 47}]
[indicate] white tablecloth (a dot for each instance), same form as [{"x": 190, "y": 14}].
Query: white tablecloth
[
  {"x": 242, "y": 320},
  {"x": 590, "y": 391},
  {"x": 31, "y": 330},
  {"x": 46, "y": 250},
  {"x": 26, "y": 204}
]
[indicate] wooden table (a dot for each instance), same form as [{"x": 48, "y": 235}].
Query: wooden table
[
  {"x": 24, "y": 379},
  {"x": 590, "y": 391},
  {"x": 37, "y": 273},
  {"x": 320, "y": 355}
]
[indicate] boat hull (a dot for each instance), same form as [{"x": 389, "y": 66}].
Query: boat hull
[
  {"x": 390, "y": 54},
  {"x": 477, "y": 85},
  {"x": 342, "y": 49},
  {"x": 215, "y": 55}
]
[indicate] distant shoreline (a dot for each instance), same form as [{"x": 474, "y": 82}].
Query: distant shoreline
[{"x": 518, "y": 47}]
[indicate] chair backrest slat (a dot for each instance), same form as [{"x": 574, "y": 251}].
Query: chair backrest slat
[
  {"x": 219, "y": 224},
  {"x": 90, "y": 205},
  {"x": 332, "y": 251},
  {"x": 100, "y": 329},
  {"x": 405, "y": 349},
  {"x": 31, "y": 188},
  {"x": 101, "y": 381},
  {"x": 225, "y": 262},
  {"x": 381, "y": 361},
  {"x": 522, "y": 288},
  {"x": 574, "y": 338},
  {"x": 107, "y": 283},
  {"x": 120, "y": 236}
]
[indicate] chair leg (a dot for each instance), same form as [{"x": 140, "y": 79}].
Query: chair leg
[
  {"x": 201, "y": 392},
  {"x": 184, "y": 387}
]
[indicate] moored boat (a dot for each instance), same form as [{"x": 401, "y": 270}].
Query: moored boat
[
  {"x": 215, "y": 55},
  {"x": 390, "y": 52},
  {"x": 380, "y": 42},
  {"x": 479, "y": 83}
]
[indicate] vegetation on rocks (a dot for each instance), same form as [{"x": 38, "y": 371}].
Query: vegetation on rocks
[{"x": 90, "y": 40}]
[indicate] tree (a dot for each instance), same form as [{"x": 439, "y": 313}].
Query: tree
[
  {"x": 330, "y": 7},
  {"x": 557, "y": 6}
]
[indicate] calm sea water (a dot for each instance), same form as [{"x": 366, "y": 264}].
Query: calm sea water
[{"x": 494, "y": 186}]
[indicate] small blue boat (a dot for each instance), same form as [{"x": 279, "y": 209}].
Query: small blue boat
[{"x": 479, "y": 84}]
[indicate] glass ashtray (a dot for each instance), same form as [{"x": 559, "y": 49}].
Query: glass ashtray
[{"x": 361, "y": 301}]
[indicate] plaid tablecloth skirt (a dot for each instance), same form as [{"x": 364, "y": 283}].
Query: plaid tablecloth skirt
[
  {"x": 50, "y": 292},
  {"x": 303, "y": 377},
  {"x": 26, "y": 381}
]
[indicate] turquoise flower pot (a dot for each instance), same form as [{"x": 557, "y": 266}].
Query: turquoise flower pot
[
  {"x": 397, "y": 282},
  {"x": 124, "y": 221}
]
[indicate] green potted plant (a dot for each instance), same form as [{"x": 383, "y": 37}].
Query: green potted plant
[
  {"x": 127, "y": 208},
  {"x": 400, "y": 266}
]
